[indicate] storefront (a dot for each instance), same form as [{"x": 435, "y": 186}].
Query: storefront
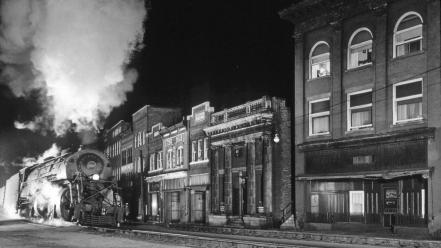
[
  {"x": 176, "y": 198},
  {"x": 155, "y": 201}
]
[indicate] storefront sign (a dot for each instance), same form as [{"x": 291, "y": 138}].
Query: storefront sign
[{"x": 390, "y": 200}]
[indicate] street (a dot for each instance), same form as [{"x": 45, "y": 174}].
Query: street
[{"x": 16, "y": 233}]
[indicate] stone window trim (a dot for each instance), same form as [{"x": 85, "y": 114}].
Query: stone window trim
[
  {"x": 354, "y": 46},
  {"x": 396, "y": 33},
  {"x": 311, "y": 57},
  {"x": 320, "y": 114},
  {"x": 350, "y": 126},
  {"x": 396, "y": 100}
]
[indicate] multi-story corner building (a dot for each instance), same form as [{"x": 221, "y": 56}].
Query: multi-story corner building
[
  {"x": 367, "y": 112},
  {"x": 250, "y": 163},
  {"x": 113, "y": 140},
  {"x": 142, "y": 122},
  {"x": 199, "y": 166}
]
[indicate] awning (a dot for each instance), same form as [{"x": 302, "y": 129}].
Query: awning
[{"x": 365, "y": 175}]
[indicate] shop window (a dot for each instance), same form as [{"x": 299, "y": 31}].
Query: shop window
[
  {"x": 360, "y": 48},
  {"x": 408, "y": 34},
  {"x": 319, "y": 117},
  {"x": 360, "y": 109},
  {"x": 319, "y": 60},
  {"x": 408, "y": 101},
  {"x": 315, "y": 203},
  {"x": 356, "y": 202}
]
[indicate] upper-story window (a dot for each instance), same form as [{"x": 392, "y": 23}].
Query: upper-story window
[
  {"x": 408, "y": 101},
  {"x": 200, "y": 149},
  {"x": 152, "y": 162},
  {"x": 408, "y": 34},
  {"x": 159, "y": 160},
  {"x": 360, "y": 109},
  {"x": 319, "y": 113},
  {"x": 193, "y": 151},
  {"x": 205, "y": 148},
  {"x": 169, "y": 158},
  {"x": 180, "y": 155},
  {"x": 360, "y": 48},
  {"x": 319, "y": 62}
]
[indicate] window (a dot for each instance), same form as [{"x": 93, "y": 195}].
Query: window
[
  {"x": 193, "y": 151},
  {"x": 129, "y": 155},
  {"x": 408, "y": 34},
  {"x": 169, "y": 158},
  {"x": 205, "y": 148},
  {"x": 408, "y": 101},
  {"x": 360, "y": 48},
  {"x": 319, "y": 62},
  {"x": 200, "y": 149},
  {"x": 124, "y": 157},
  {"x": 360, "y": 109},
  {"x": 180, "y": 156},
  {"x": 159, "y": 160},
  {"x": 319, "y": 117},
  {"x": 356, "y": 202},
  {"x": 152, "y": 162}
]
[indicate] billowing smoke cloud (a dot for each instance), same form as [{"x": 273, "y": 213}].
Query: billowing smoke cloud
[
  {"x": 53, "y": 151},
  {"x": 76, "y": 50}
]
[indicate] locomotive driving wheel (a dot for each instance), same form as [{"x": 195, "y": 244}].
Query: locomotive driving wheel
[{"x": 66, "y": 206}]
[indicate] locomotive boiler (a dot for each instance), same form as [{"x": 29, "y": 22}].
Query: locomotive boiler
[{"x": 76, "y": 186}]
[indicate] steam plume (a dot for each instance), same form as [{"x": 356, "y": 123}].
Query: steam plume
[{"x": 76, "y": 50}]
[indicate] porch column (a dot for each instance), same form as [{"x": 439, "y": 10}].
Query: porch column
[
  {"x": 267, "y": 175},
  {"x": 214, "y": 180},
  {"x": 228, "y": 186},
  {"x": 251, "y": 173}
]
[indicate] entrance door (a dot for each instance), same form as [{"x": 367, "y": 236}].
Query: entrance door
[
  {"x": 199, "y": 207},
  {"x": 174, "y": 206},
  {"x": 236, "y": 194}
]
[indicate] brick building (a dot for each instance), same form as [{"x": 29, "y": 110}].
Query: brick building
[
  {"x": 250, "y": 163},
  {"x": 113, "y": 140},
  {"x": 142, "y": 122},
  {"x": 199, "y": 166},
  {"x": 367, "y": 112}
]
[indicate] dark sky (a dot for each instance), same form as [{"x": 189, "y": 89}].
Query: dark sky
[{"x": 227, "y": 52}]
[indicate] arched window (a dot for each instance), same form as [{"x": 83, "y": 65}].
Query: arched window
[
  {"x": 408, "y": 34},
  {"x": 360, "y": 48},
  {"x": 319, "y": 63}
]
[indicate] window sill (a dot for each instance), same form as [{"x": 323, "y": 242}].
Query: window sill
[
  {"x": 407, "y": 55},
  {"x": 318, "y": 78},
  {"x": 409, "y": 122},
  {"x": 360, "y": 130},
  {"x": 199, "y": 162},
  {"x": 319, "y": 135},
  {"x": 359, "y": 68}
]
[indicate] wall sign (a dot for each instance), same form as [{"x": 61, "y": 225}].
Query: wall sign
[{"x": 390, "y": 200}]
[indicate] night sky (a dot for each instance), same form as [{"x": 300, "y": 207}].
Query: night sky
[{"x": 227, "y": 52}]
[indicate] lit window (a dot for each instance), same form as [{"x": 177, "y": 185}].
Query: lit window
[
  {"x": 180, "y": 156},
  {"x": 159, "y": 160},
  {"x": 319, "y": 62},
  {"x": 152, "y": 162},
  {"x": 360, "y": 109},
  {"x": 200, "y": 149},
  {"x": 408, "y": 34},
  {"x": 319, "y": 117},
  {"x": 205, "y": 148},
  {"x": 360, "y": 48},
  {"x": 193, "y": 151},
  {"x": 408, "y": 101},
  {"x": 356, "y": 202}
]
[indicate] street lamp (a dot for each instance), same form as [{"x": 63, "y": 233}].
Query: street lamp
[{"x": 276, "y": 138}]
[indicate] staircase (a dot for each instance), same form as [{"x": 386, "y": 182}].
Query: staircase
[{"x": 235, "y": 221}]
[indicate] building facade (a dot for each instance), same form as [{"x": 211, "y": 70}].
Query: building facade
[
  {"x": 367, "y": 112},
  {"x": 199, "y": 166},
  {"x": 250, "y": 163},
  {"x": 113, "y": 141}
]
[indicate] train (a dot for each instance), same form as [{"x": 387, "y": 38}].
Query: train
[{"x": 76, "y": 186}]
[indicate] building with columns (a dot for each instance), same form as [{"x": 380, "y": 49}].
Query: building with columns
[
  {"x": 250, "y": 157},
  {"x": 367, "y": 113}
]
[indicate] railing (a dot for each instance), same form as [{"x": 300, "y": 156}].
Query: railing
[
  {"x": 286, "y": 212},
  {"x": 240, "y": 111},
  {"x": 400, "y": 220},
  {"x": 410, "y": 220}
]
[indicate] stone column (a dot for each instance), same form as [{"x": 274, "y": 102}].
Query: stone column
[
  {"x": 251, "y": 173},
  {"x": 228, "y": 186},
  {"x": 267, "y": 175}
]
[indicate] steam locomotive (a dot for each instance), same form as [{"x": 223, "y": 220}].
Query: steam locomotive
[{"x": 72, "y": 187}]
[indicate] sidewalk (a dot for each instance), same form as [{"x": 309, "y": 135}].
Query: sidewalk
[{"x": 379, "y": 239}]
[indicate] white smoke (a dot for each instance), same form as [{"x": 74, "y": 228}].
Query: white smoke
[
  {"x": 76, "y": 51},
  {"x": 53, "y": 151}
]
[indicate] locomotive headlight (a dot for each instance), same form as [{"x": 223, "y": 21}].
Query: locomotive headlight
[{"x": 96, "y": 177}]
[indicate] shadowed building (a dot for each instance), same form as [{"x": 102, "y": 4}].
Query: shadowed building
[
  {"x": 250, "y": 164},
  {"x": 367, "y": 113}
]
